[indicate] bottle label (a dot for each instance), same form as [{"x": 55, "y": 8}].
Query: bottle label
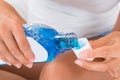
[
  {"x": 39, "y": 51},
  {"x": 41, "y": 55}
]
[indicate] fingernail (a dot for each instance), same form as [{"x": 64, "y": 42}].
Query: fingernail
[
  {"x": 18, "y": 65},
  {"x": 78, "y": 62},
  {"x": 9, "y": 64},
  {"x": 29, "y": 65},
  {"x": 83, "y": 54}
]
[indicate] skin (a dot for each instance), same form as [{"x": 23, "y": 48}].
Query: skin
[
  {"x": 8, "y": 76},
  {"x": 14, "y": 47},
  {"x": 13, "y": 40},
  {"x": 64, "y": 68},
  {"x": 106, "y": 65},
  {"x": 27, "y": 73},
  {"x": 109, "y": 49}
]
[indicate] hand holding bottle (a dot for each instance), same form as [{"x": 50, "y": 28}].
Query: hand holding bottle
[
  {"x": 14, "y": 47},
  {"x": 107, "y": 47}
]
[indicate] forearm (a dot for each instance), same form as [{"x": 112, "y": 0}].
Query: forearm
[{"x": 117, "y": 26}]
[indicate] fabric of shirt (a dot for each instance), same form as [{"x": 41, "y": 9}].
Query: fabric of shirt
[
  {"x": 90, "y": 5},
  {"x": 87, "y": 18}
]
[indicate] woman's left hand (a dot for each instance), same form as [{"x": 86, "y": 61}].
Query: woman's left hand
[{"x": 107, "y": 47}]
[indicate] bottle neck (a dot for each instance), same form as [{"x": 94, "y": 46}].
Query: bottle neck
[{"x": 67, "y": 41}]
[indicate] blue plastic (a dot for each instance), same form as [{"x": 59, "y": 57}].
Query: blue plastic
[{"x": 54, "y": 42}]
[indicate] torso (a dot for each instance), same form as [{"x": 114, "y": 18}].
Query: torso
[{"x": 86, "y": 19}]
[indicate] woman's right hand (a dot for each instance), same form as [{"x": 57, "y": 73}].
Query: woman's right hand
[{"x": 14, "y": 47}]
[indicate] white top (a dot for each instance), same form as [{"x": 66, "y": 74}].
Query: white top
[{"x": 87, "y": 18}]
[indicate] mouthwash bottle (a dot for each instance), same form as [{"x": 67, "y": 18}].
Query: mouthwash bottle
[{"x": 46, "y": 43}]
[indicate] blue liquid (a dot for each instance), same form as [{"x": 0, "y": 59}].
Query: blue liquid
[
  {"x": 50, "y": 39},
  {"x": 67, "y": 41}
]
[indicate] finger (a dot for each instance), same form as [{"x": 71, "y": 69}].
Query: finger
[
  {"x": 13, "y": 48},
  {"x": 22, "y": 42},
  {"x": 114, "y": 67},
  {"x": 94, "y": 66},
  {"x": 5, "y": 60},
  {"x": 9, "y": 58},
  {"x": 99, "y": 42},
  {"x": 103, "y": 52}
]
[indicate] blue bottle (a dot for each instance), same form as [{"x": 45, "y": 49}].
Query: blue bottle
[{"x": 47, "y": 43}]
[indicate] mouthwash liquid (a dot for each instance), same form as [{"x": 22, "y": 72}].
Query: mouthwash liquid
[{"x": 50, "y": 43}]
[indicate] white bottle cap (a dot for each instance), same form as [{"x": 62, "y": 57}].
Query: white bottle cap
[{"x": 84, "y": 43}]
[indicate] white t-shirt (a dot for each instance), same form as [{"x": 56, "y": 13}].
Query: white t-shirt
[{"x": 87, "y": 18}]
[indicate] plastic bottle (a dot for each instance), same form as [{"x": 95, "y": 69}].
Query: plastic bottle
[
  {"x": 46, "y": 43},
  {"x": 53, "y": 42}
]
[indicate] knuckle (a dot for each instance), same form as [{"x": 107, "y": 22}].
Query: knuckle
[
  {"x": 17, "y": 55},
  {"x": 24, "y": 45},
  {"x": 15, "y": 52}
]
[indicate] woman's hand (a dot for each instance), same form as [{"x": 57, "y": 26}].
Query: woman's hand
[
  {"x": 14, "y": 47},
  {"x": 107, "y": 47}
]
